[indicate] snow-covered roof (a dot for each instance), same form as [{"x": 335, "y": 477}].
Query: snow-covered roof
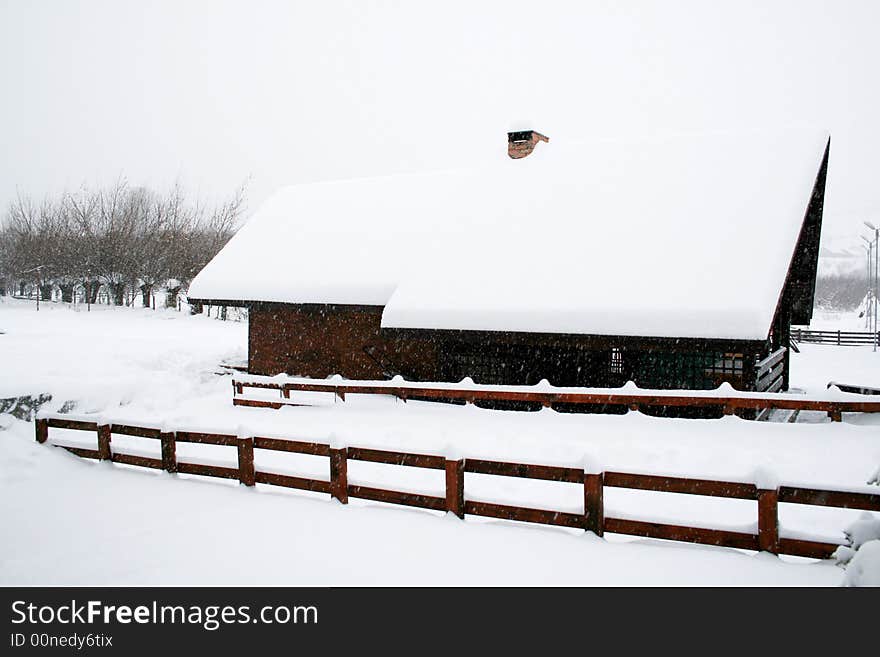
[{"x": 686, "y": 237}]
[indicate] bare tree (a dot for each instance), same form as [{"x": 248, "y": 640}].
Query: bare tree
[
  {"x": 121, "y": 237},
  {"x": 32, "y": 237},
  {"x": 82, "y": 211},
  {"x": 201, "y": 237}
]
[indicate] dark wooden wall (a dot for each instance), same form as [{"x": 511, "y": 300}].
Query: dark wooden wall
[
  {"x": 321, "y": 340},
  {"x": 800, "y": 282}
]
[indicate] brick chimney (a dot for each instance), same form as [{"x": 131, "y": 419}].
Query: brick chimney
[{"x": 523, "y": 142}]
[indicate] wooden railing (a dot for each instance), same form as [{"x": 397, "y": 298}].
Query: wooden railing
[
  {"x": 847, "y": 338},
  {"x": 633, "y": 400},
  {"x": 592, "y": 518},
  {"x": 769, "y": 377},
  {"x": 768, "y": 372}
]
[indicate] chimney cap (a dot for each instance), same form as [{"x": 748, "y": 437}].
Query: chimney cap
[
  {"x": 526, "y": 135},
  {"x": 521, "y": 143}
]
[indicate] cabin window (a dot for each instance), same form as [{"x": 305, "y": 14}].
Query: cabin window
[
  {"x": 616, "y": 366},
  {"x": 687, "y": 370}
]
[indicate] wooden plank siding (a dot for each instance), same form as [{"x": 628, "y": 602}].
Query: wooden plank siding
[{"x": 321, "y": 340}]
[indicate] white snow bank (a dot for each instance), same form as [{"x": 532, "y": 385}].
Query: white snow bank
[
  {"x": 863, "y": 530},
  {"x": 861, "y": 554},
  {"x": 164, "y": 530},
  {"x": 864, "y": 568},
  {"x": 158, "y": 369}
]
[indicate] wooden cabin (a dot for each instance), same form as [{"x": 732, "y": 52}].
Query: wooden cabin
[{"x": 673, "y": 263}]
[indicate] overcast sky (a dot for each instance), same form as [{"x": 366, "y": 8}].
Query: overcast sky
[{"x": 212, "y": 92}]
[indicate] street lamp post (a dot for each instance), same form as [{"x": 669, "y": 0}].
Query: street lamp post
[
  {"x": 869, "y": 304},
  {"x": 868, "y": 317},
  {"x": 876, "y": 249}
]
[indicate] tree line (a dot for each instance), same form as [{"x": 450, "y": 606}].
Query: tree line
[
  {"x": 845, "y": 291},
  {"x": 121, "y": 237}
]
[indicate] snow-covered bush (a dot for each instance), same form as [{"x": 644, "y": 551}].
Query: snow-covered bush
[{"x": 861, "y": 554}]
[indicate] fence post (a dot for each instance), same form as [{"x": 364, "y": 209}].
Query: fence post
[
  {"x": 835, "y": 415},
  {"x": 246, "y": 471},
  {"x": 594, "y": 503},
  {"x": 104, "y": 442},
  {"x": 838, "y": 337},
  {"x": 339, "y": 474},
  {"x": 41, "y": 427},
  {"x": 169, "y": 451},
  {"x": 455, "y": 487},
  {"x": 768, "y": 520}
]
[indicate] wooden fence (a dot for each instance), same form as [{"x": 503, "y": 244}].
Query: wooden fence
[
  {"x": 846, "y": 338},
  {"x": 855, "y": 388},
  {"x": 636, "y": 400},
  {"x": 592, "y": 518}
]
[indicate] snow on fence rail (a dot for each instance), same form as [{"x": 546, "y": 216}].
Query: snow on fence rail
[
  {"x": 855, "y": 388},
  {"x": 847, "y": 338},
  {"x": 455, "y": 501},
  {"x": 631, "y": 398}
]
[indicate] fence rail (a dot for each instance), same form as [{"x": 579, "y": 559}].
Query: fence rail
[
  {"x": 593, "y": 484},
  {"x": 843, "y": 338},
  {"x": 854, "y": 388},
  {"x": 725, "y": 404}
]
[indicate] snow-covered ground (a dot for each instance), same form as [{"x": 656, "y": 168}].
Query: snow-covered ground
[
  {"x": 830, "y": 320},
  {"x": 71, "y": 521}
]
